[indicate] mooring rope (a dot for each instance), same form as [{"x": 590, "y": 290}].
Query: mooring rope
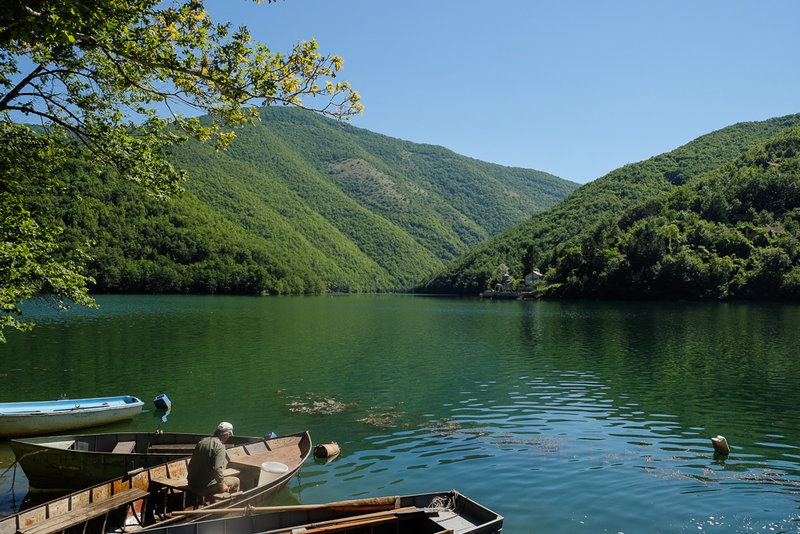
[{"x": 443, "y": 502}]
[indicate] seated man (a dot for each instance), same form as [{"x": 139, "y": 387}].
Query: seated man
[{"x": 206, "y": 468}]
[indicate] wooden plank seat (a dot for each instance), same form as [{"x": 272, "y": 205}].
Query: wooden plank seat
[
  {"x": 174, "y": 483},
  {"x": 85, "y": 513},
  {"x": 124, "y": 447},
  {"x": 176, "y": 447},
  {"x": 172, "y": 447},
  {"x": 180, "y": 483},
  {"x": 164, "y": 487}
]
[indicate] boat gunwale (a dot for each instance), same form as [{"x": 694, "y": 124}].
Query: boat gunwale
[
  {"x": 75, "y": 461},
  {"x": 91, "y": 403},
  {"x": 40, "y": 441}
]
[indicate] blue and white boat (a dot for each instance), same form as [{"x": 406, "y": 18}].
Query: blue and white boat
[{"x": 45, "y": 417}]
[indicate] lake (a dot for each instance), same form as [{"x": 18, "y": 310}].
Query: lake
[{"x": 562, "y": 416}]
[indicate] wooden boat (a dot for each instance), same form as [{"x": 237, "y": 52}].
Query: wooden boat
[
  {"x": 82, "y": 460},
  {"x": 440, "y": 512},
  {"x": 150, "y": 496},
  {"x": 45, "y": 417}
]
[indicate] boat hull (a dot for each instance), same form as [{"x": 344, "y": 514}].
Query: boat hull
[
  {"x": 448, "y": 511},
  {"x": 82, "y": 460},
  {"x": 46, "y": 417}
]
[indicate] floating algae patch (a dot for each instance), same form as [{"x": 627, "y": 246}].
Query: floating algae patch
[
  {"x": 314, "y": 404},
  {"x": 708, "y": 476},
  {"x": 445, "y": 427},
  {"x": 449, "y": 427},
  {"x": 771, "y": 477},
  {"x": 541, "y": 443},
  {"x": 381, "y": 417}
]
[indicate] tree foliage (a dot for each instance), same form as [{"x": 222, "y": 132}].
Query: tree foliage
[
  {"x": 114, "y": 82},
  {"x": 27, "y": 251}
]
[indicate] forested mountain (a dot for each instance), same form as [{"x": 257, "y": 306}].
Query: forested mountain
[
  {"x": 615, "y": 237},
  {"x": 733, "y": 232},
  {"x": 297, "y": 204}
]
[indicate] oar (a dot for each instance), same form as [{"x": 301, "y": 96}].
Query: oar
[
  {"x": 376, "y": 503},
  {"x": 344, "y": 523},
  {"x": 355, "y": 521}
]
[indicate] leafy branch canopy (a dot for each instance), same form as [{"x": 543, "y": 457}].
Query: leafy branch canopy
[{"x": 116, "y": 81}]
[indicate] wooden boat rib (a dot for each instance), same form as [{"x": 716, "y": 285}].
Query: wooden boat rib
[
  {"x": 46, "y": 417},
  {"x": 150, "y": 496},
  {"x": 448, "y": 511},
  {"x": 82, "y": 460}
]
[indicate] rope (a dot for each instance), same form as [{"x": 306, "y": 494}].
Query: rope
[{"x": 443, "y": 502}]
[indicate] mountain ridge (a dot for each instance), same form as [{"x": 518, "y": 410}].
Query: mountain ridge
[
  {"x": 297, "y": 204},
  {"x": 537, "y": 241}
]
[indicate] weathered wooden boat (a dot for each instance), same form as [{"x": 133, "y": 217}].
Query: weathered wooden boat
[
  {"x": 82, "y": 460},
  {"x": 46, "y": 417},
  {"x": 440, "y": 512},
  {"x": 152, "y": 496}
]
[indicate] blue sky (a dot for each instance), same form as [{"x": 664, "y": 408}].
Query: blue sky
[{"x": 574, "y": 88}]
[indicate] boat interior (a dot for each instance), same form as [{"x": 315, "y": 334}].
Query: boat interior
[
  {"x": 144, "y": 443},
  {"x": 147, "y": 496}
]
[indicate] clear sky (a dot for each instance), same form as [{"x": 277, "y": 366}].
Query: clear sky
[{"x": 574, "y": 88}]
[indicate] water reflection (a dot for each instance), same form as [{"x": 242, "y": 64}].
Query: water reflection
[{"x": 570, "y": 416}]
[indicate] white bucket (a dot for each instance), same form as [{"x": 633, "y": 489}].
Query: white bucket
[{"x": 271, "y": 471}]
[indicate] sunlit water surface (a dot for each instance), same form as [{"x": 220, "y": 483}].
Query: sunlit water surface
[{"x": 563, "y": 417}]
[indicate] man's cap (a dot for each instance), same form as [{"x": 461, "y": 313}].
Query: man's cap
[{"x": 225, "y": 428}]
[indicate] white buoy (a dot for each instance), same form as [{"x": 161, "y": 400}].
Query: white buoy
[{"x": 721, "y": 445}]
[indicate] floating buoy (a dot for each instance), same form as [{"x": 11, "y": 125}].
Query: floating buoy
[
  {"x": 721, "y": 445},
  {"x": 326, "y": 450}
]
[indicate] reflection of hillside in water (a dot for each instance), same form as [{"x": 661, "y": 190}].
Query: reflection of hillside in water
[{"x": 666, "y": 377}]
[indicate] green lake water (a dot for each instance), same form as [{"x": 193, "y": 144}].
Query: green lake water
[{"x": 563, "y": 417}]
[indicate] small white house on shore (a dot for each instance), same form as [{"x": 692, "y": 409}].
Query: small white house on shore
[{"x": 532, "y": 277}]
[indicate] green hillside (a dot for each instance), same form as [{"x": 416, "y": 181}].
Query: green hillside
[
  {"x": 733, "y": 232},
  {"x": 547, "y": 241},
  {"x": 297, "y": 204}
]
